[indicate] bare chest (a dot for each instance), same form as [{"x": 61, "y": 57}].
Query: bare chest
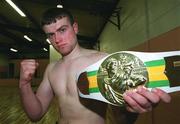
[
  {"x": 63, "y": 77},
  {"x": 63, "y": 80}
]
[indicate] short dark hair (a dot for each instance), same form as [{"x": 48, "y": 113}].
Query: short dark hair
[{"x": 53, "y": 14}]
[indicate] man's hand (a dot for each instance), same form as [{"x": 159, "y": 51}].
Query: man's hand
[
  {"x": 27, "y": 71},
  {"x": 142, "y": 100}
]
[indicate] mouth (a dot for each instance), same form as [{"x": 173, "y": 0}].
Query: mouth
[{"x": 61, "y": 45}]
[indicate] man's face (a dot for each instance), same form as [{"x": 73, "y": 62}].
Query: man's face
[{"x": 62, "y": 35}]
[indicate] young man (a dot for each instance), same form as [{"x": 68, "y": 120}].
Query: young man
[{"x": 60, "y": 77}]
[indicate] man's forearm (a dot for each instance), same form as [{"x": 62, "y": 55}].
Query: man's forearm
[{"x": 31, "y": 103}]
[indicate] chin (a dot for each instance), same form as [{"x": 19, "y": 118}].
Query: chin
[{"x": 65, "y": 53}]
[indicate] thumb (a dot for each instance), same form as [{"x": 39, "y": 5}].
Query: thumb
[
  {"x": 37, "y": 64},
  {"x": 162, "y": 94}
]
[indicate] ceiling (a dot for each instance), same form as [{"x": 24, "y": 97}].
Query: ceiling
[{"x": 91, "y": 16}]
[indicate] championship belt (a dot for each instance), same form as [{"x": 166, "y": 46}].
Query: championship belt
[{"x": 110, "y": 77}]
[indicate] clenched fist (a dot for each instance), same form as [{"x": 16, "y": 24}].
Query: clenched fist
[{"x": 28, "y": 68}]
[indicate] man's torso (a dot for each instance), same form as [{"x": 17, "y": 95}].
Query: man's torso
[{"x": 63, "y": 81}]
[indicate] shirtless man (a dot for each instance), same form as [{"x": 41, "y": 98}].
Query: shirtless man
[{"x": 60, "y": 77}]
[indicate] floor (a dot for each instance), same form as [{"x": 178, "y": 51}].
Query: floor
[{"x": 11, "y": 111}]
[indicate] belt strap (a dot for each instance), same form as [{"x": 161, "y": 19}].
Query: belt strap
[{"x": 110, "y": 77}]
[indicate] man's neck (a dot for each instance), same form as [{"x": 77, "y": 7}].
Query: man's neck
[{"x": 76, "y": 52}]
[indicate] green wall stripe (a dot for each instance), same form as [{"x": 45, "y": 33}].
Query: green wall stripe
[{"x": 155, "y": 63}]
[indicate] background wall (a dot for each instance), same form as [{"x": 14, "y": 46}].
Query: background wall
[
  {"x": 3, "y": 65},
  {"x": 141, "y": 20},
  {"x": 167, "y": 41},
  {"x": 11, "y": 70},
  {"x": 54, "y": 55}
]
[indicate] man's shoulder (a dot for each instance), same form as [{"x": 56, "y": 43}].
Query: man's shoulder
[
  {"x": 91, "y": 57},
  {"x": 95, "y": 53},
  {"x": 98, "y": 55},
  {"x": 52, "y": 65}
]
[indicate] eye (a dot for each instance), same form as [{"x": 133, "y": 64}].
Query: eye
[{"x": 61, "y": 30}]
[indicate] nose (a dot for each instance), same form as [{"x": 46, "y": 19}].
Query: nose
[{"x": 57, "y": 38}]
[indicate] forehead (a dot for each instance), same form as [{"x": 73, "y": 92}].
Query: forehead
[{"x": 56, "y": 25}]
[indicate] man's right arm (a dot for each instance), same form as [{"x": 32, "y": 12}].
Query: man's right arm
[{"x": 35, "y": 105}]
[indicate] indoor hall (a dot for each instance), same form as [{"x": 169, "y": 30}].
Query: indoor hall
[{"x": 104, "y": 25}]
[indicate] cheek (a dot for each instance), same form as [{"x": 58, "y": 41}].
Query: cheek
[{"x": 69, "y": 36}]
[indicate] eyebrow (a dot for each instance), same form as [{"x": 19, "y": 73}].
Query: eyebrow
[{"x": 63, "y": 26}]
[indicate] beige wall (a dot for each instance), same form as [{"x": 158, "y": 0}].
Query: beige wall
[
  {"x": 141, "y": 20},
  {"x": 164, "y": 42}
]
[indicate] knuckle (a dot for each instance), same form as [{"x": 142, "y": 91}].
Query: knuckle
[
  {"x": 26, "y": 72},
  {"x": 146, "y": 105},
  {"x": 156, "y": 99},
  {"x": 134, "y": 105},
  {"x": 144, "y": 110}
]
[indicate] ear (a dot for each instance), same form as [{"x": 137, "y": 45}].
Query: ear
[{"x": 75, "y": 27}]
